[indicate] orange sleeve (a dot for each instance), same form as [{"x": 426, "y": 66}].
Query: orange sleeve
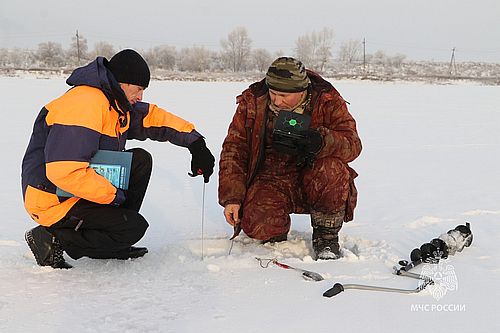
[
  {"x": 149, "y": 121},
  {"x": 80, "y": 180},
  {"x": 158, "y": 117}
]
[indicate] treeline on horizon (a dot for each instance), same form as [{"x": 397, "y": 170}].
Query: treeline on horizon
[{"x": 236, "y": 55}]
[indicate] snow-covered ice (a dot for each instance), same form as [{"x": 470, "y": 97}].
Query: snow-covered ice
[{"x": 430, "y": 162}]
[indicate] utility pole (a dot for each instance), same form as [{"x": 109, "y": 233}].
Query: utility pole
[
  {"x": 78, "y": 47},
  {"x": 364, "y": 55},
  {"x": 453, "y": 65}
]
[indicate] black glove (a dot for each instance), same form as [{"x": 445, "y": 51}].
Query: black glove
[
  {"x": 308, "y": 146},
  {"x": 202, "y": 161},
  {"x": 311, "y": 143}
]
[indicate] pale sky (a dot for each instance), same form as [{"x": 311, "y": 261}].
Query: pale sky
[{"x": 419, "y": 29}]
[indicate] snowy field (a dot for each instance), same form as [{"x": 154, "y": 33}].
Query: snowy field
[{"x": 430, "y": 162}]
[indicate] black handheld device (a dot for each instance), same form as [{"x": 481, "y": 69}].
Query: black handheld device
[{"x": 288, "y": 129}]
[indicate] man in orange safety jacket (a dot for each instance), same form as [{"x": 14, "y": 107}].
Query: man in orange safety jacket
[{"x": 101, "y": 111}]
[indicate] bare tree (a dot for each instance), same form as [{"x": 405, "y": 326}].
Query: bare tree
[
  {"x": 350, "y": 51},
  {"x": 196, "y": 59},
  {"x": 304, "y": 50},
  {"x": 217, "y": 61},
  {"x": 325, "y": 42},
  {"x": 236, "y": 49},
  {"x": 163, "y": 56},
  {"x": 397, "y": 60},
  {"x": 315, "y": 49},
  {"x": 50, "y": 54},
  {"x": 278, "y": 54},
  {"x": 23, "y": 58},
  {"x": 17, "y": 58},
  {"x": 261, "y": 59},
  {"x": 103, "y": 49},
  {"x": 4, "y": 57},
  {"x": 379, "y": 57}
]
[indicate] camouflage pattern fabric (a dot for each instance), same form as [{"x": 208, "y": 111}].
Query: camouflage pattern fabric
[
  {"x": 287, "y": 75},
  {"x": 268, "y": 184},
  {"x": 275, "y": 195}
]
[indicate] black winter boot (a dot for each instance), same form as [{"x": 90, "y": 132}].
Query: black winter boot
[
  {"x": 136, "y": 252},
  {"x": 132, "y": 252},
  {"x": 325, "y": 237},
  {"x": 46, "y": 248}
]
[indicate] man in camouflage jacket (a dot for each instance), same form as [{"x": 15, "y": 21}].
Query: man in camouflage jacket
[{"x": 260, "y": 185}]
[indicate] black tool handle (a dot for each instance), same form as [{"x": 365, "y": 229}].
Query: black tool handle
[{"x": 336, "y": 289}]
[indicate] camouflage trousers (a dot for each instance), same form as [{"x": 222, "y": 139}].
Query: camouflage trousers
[{"x": 279, "y": 190}]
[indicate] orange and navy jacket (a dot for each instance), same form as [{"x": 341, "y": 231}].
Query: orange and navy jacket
[{"x": 68, "y": 132}]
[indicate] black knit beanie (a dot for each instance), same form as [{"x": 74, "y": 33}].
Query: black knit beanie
[{"x": 128, "y": 66}]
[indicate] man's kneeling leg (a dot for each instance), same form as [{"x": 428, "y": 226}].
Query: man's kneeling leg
[
  {"x": 101, "y": 231},
  {"x": 266, "y": 214}
]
